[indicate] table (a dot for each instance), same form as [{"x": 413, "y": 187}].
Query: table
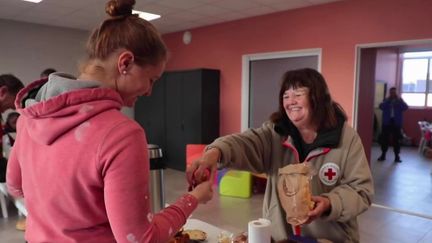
[{"x": 211, "y": 230}]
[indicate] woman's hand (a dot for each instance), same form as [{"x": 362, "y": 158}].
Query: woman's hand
[
  {"x": 322, "y": 206},
  {"x": 203, "y": 192},
  {"x": 197, "y": 170}
]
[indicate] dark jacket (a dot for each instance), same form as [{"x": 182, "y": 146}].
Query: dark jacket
[{"x": 398, "y": 106}]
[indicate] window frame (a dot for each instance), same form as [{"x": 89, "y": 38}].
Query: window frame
[{"x": 426, "y": 93}]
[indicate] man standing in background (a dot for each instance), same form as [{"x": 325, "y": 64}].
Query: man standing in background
[{"x": 393, "y": 108}]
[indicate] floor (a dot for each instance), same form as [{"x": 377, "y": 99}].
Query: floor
[{"x": 401, "y": 212}]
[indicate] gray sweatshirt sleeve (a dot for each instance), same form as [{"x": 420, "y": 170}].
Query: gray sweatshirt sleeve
[{"x": 250, "y": 150}]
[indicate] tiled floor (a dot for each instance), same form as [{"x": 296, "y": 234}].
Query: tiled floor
[{"x": 406, "y": 186}]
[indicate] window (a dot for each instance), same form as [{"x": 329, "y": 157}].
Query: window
[{"x": 416, "y": 78}]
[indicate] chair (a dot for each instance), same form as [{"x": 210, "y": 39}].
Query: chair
[
  {"x": 19, "y": 204},
  {"x": 194, "y": 152},
  {"x": 4, "y": 200},
  {"x": 424, "y": 135}
]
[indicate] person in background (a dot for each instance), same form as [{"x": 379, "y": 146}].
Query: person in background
[
  {"x": 45, "y": 73},
  {"x": 89, "y": 161},
  {"x": 8, "y": 140},
  {"x": 309, "y": 127},
  {"x": 9, "y": 132},
  {"x": 9, "y": 87},
  {"x": 392, "y": 117}
]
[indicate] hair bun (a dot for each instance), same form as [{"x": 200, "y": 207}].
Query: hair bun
[{"x": 119, "y": 7}]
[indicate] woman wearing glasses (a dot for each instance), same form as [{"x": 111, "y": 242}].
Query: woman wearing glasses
[{"x": 309, "y": 127}]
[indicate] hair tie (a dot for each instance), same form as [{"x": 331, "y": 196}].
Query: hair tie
[{"x": 123, "y": 16}]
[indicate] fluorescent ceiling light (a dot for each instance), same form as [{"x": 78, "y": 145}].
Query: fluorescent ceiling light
[
  {"x": 33, "y": 1},
  {"x": 145, "y": 15}
]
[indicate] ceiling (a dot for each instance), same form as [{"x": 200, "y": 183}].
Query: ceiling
[{"x": 177, "y": 15}]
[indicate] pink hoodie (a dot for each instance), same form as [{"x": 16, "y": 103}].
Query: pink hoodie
[{"x": 83, "y": 168}]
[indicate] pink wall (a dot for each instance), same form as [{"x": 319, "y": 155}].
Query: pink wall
[
  {"x": 386, "y": 66},
  {"x": 336, "y": 28}
]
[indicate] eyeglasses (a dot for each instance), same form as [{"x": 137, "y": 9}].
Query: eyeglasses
[{"x": 296, "y": 94}]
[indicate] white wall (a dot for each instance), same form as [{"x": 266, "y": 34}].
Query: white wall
[{"x": 27, "y": 49}]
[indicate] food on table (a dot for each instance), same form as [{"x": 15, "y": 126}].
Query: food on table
[
  {"x": 241, "y": 238},
  {"x": 195, "y": 234},
  {"x": 180, "y": 237},
  {"x": 224, "y": 237}
]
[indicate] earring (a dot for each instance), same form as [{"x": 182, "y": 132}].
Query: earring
[{"x": 124, "y": 72}]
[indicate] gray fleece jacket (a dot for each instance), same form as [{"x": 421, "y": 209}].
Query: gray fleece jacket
[{"x": 343, "y": 176}]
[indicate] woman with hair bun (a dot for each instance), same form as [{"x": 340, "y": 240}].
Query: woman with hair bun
[{"x": 80, "y": 164}]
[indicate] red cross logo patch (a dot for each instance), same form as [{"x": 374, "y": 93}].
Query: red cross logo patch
[{"x": 329, "y": 173}]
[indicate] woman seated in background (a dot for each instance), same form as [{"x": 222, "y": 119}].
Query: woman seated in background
[
  {"x": 81, "y": 165},
  {"x": 309, "y": 127}
]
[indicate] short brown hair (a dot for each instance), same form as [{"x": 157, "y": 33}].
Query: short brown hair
[
  {"x": 125, "y": 30},
  {"x": 12, "y": 83},
  {"x": 324, "y": 109},
  {"x": 47, "y": 72}
]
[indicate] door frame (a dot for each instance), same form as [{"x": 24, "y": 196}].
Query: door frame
[
  {"x": 357, "y": 63},
  {"x": 247, "y": 58},
  {"x": 356, "y": 100}
]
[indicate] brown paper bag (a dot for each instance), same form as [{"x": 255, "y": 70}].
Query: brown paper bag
[{"x": 295, "y": 193}]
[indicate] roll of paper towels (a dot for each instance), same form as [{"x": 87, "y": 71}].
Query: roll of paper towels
[{"x": 259, "y": 231}]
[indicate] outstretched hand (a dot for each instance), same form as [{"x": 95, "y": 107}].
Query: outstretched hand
[
  {"x": 203, "y": 192},
  {"x": 201, "y": 173},
  {"x": 204, "y": 168}
]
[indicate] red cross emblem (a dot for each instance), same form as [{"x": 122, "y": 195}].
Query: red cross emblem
[{"x": 330, "y": 174}]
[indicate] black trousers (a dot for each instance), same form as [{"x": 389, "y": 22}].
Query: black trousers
[
  {"x": 390, "y": 131},
  {"x": 3, "y": 165}
]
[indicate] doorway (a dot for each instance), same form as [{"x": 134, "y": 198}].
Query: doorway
[
  {"x": 261, "y": 77},
  {"x": 404, "y": 187}
]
